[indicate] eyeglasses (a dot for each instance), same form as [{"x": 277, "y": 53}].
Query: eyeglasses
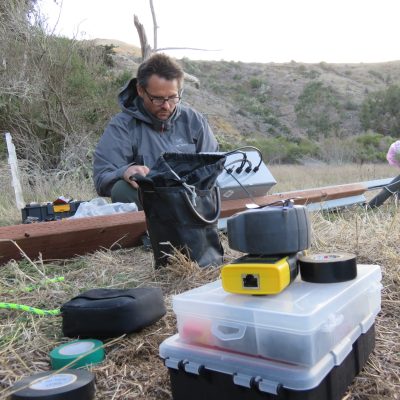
[{"x": 159, "y": 101}]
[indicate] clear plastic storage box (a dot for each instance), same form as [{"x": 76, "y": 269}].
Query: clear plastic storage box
[
  {"x": 199, "y": 372},
  {"x": 299, "y": 325}
]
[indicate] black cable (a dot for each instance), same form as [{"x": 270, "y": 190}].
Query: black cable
[
  {"x": 247, "y": 192},
  {"x": 248, "y": 169},
  {"x": 289, "y": 202},
  {"x": 248, "y": 147},
  {"x": 242, "y": 161},
  {"x": 230, "y": 170}
]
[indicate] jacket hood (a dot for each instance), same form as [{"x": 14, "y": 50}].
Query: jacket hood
[{"x": 131, "y": 103}]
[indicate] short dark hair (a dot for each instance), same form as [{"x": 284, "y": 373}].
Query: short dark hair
[{"x": 161, "y": 65}]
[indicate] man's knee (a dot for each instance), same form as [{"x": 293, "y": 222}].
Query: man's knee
[{"x": 123, "y": 192}]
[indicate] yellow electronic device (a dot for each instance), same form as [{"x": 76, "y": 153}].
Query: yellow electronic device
[{"x": 259, "y": 275}]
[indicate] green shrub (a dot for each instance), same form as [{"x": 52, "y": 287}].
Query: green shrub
[
  {"x": 284, "y": 150},
  {"x": 122, "y": 78},
  {"x": 80, "y": 81},
  {"x": 351, "y": 106},
  {"x": 108, "y": 52},
  {"x": 255, "y": 83},
  {"x": 56, "y": 97},
  {"x": 380, "y": 111},
  {"x": 190, "y": 66},
  {"x": 318, "y": 110},
  {"x": 371, "y": 147},
  {"x": 310, "y": 74},
  {"x": 377, "y": 75}
]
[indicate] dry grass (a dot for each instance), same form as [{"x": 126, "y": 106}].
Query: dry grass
[
  {"x": 39, "y": 186},
  {"x": 375, "y": 237},
  {"x": 132, "y": 369},
  {"x": 298, "y": 177}
]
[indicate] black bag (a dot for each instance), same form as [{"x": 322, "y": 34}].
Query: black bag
[
  {"x": 104, "y": 313},
  {"x": 182, "y": 206}
]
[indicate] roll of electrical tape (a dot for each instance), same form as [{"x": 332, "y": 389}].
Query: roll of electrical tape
[
  {"x": 70, "y": 384},
  {"x": 328, "y": 268},
  {"x": 76, "y": 350}
]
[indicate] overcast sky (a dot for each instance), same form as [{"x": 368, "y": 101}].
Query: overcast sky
[{"x": 343, "y": 31}]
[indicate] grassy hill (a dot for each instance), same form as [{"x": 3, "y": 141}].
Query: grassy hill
[
  {"x": 271, "y": 92},
  {"x": 272, "y": 105},
  {"x": 64, "y": 93}
]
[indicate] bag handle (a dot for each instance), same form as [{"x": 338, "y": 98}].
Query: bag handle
[{"x": 196, "y": 213}]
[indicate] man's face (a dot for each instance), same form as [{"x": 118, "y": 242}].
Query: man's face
[{"x": 157, "y": 90}]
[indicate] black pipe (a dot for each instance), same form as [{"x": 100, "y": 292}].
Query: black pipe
[{"x": 392, "y": 188}]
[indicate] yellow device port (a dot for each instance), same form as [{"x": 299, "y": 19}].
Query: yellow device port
[{"x": 259, "y": 275}]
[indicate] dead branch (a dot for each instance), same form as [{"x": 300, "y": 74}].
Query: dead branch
[
  {"x": 185, "y": 48},
  {"x": 155, "y": 26},
  {"x": 147, "y": 51},
  {"x": 144, "y": 44}
]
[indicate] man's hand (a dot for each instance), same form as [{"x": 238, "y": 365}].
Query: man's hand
[{"x": 135, "y": 170}]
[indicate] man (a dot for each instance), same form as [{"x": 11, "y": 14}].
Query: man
[{"x": 152, "y": 121}]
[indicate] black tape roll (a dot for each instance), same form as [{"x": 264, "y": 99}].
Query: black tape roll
[
  {"x": 328, "y": 268},
  {"x": 70, "y": 384}
]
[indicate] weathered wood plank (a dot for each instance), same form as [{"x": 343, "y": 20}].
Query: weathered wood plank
[
  {"x": 71, "y": 237},
  {"x": 306, "y": 196}
]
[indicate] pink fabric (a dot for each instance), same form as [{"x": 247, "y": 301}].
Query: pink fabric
[{"x": 393, "y": 155}]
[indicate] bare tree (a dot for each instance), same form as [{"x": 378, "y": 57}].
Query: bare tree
[
  {"x": 155, "y": 26},
  {"x": 144, "y": 44},
  {"x": 147, "y": 50}
]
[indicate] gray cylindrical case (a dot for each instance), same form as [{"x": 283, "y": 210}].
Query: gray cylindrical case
[{"x": 270, "y": 230}]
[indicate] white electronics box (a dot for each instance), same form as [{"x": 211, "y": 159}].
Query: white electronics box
[{"x": 242, "y": 181}]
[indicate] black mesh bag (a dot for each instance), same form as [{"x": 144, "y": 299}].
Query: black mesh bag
[{"x": 182, "y": 206}]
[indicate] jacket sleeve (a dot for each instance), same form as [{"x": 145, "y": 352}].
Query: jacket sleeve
[
  {"x": 205, "y": 138},
  {"x": 114, "y": 153}
]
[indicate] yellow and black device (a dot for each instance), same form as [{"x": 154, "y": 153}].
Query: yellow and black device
[{"x": 259, "y": 275}]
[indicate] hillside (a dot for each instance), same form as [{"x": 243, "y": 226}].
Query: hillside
[
  {"x": 279, "y": 86},
  {"x": 291, "y": 100},
  {"x": 59, "y": 102}
]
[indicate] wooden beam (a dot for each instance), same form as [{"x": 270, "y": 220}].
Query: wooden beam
[
  {"x": 307, "y": 196},
  {"x": 70, "y": 237}
]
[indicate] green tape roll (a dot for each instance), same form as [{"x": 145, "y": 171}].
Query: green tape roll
[{"x": 85, "y": 352}]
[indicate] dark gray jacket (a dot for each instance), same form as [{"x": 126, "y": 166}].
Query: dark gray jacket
[{"x": 134, "y": 136}]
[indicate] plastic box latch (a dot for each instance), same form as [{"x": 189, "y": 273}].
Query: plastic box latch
[
  {"x": 341, "y": 351},
  {"x": 267, "y": 386},
  {"x": 366, "y": 323},
  {"x": 243, "y": 380},
  {"x": 172, "y": 363},
  {"x": 193, "y": 368}
]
